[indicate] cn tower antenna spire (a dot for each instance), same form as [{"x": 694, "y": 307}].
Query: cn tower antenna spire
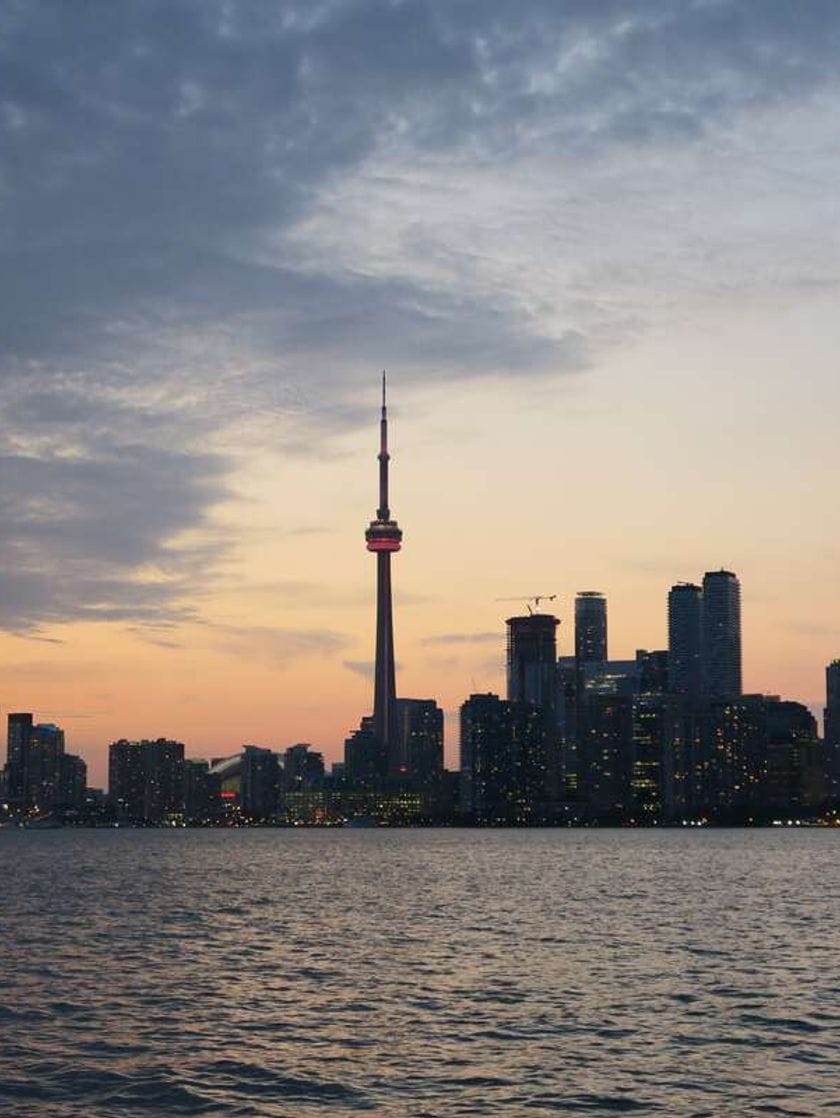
[{"x": 383, "y": 512}]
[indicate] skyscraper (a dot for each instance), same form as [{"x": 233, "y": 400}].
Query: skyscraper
[
  {"x": 685, "y": 611},
  {"x": 43, "y": 774},
  {"x": 832, "y": 726},
  {"x": 39, "y": 775},
  {"x": 260, "y": 786},
  {"x": 832, "y": 703},
  {"x": 721, "y": 635},
  {"x": 532, "y": 682},
  {"x": 384, "y": 537},
  {"x": 590, "y": 627},
  {"x": 532, "y": 661},
  {"x": 146, "y": 778},
  {"x": 17, "y": 757},
  {"x": 418, "y": 759},
  {"x": 503, "y": 761}
]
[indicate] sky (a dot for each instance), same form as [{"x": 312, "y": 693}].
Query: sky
[{"x": 595, "y": 245}]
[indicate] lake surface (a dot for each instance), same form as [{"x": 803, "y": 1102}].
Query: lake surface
[{"x": 419, "y": 974}]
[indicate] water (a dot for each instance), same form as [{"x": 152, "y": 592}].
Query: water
[{"x": 419, "y": 974}]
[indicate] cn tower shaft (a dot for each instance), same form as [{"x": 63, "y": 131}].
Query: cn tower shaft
[{"x": 383, "y": 537}]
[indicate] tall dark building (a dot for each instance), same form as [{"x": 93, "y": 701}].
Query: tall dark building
[
  {"x": 721, "y": 635},
  {"x": 532, "y": 680},
  {"x": 832, "y": 687},
  {"x": 73, "y": 782},
  {"x": 365, "y": 764},
  {"x": 419, "y": 756},
  {"x": 797, "y": 776},
  {"x": 732, "y": 763},
  {"x": 260, "y": 788},
  {"x": 832, "y": 726},
  {"x": 44, "y": 767},
  {"x": 605, "y": 753},
  {"x": 652, "y": 671},
  {"x": 39, "y": 775},
  {"x": 17, "y": 758},
  {"x": 532, "y": 661},
  {"x": 383, "y": 538},
  {"x": 146, "y": 779},
  {"x": 590, "y": 627},
  {"x": 202, "y": 792},
  {"x": 685, "y": 613},
  {"x": 303, "y": 768},
  {"x": 504, "y": 761},
  {"x": 655, "y": 728}
]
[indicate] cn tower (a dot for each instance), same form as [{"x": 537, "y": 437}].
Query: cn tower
[{"x": 384, "y": 536}]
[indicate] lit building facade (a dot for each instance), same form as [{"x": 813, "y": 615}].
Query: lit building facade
[
  {"x": 146, "y": 779},
  {"x": 504, "y": 762},
  {"x": 418, "y": 759}
]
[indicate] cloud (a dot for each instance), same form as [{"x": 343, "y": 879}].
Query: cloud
[
  {"x": 464, "y": 638},
  {"x": 364, "y": 668},
  {"x": 40, "y": 639},
  {"x": 278, "y": 646},
  {"x": 217, "y": 218},
  {"x": 100, "y": 535},
  {"x": 804, "y": 628}
]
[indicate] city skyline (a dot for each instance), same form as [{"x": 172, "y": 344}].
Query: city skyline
[
  {"x": 665, "y": 737},
  {"x": 596, "y": 251}
]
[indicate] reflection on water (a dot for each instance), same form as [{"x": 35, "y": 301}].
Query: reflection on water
[{"x": 419, "y": 973}]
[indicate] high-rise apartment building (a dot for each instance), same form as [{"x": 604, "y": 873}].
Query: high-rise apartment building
[
  {"x": 419, "y": 756},
  {"x": 202, "y": 792},
  {"x": 44, "y": 767},
  {"x": 590, "y": 627},
  {"x": 721, "y": 635},
  {"x": 365, "y": 762},
  {"x": 605, "y": 753},
  {"x": 685, "y": 636},
  {"x": 303, "y": 768},
  {"x": 17, "y": 758},
  {"x": 831, "y": 726},
  {"x": 504, "y": 761},
  {"x": 532, "y": 681},
  {"x": 260, "y": 788},
  {"x": 146, "y": 779},
  {"x": 39, "y": 776},
  {"x": 797, "y": 776},
  {"x": 72, "y": 782},
  {"x": 652, "y": 671}
]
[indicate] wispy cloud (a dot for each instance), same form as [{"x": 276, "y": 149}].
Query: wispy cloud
[
  {"x": 464, "y": 638},
  {"x": 364, "y": 668},
  {"x": 278, "y": 646}
]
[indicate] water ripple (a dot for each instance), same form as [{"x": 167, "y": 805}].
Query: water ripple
[{"x": 419, "y": 974}]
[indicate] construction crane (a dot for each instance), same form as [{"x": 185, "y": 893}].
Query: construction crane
[{"x": 528, "y": 598}]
